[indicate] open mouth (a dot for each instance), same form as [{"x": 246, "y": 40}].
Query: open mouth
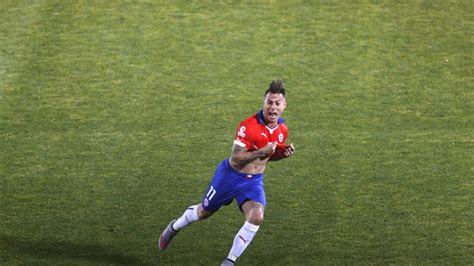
[{"x": 272, "y": 115}]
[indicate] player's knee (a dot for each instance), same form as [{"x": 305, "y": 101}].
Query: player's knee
[
  {"x": 203, "y": 214},
  {"x": 256, "y": 216}
]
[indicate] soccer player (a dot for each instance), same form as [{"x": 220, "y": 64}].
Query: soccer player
[{"x": 259, "y": 139}]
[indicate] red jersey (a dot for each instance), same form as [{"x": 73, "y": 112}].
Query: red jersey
[{"x": 253, "y": 134}]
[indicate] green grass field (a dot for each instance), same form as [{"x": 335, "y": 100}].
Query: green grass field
[{"x": 114, "y": 115}]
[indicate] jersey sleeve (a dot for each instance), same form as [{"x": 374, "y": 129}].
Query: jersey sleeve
[{"x": 243, "y": 136}]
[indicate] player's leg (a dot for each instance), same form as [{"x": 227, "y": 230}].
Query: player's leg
[
  {"x": 192, "y": 214},
  {"x": 254, "y": 217},
  {"x": 218, "y": 193},
  {"x": 254, "y": 212},
  {"x": 252, "y": 202}
]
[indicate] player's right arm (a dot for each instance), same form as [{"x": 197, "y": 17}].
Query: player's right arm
[
  {"x": 241, "y": 156},
  {"x": 246, "y": 157}
]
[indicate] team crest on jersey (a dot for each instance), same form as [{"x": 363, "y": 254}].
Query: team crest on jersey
[
  {"x": 280, "y": 137},
  {"x": 241, "y": 132}
]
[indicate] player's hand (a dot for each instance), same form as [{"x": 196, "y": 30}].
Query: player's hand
[
  {"x": 269, "y": 148},
  {"x": 290, "y": 150}
]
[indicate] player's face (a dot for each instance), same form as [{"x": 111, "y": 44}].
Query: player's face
[{"x": 273, "y": 106}]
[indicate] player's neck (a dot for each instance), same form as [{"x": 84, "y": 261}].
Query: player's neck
[{"x": 271, "y": 124}]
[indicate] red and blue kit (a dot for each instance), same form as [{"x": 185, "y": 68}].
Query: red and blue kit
[{"x": 228, "y": 183}]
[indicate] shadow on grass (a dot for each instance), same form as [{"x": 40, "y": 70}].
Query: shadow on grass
[{"x": 63, "y": 249}]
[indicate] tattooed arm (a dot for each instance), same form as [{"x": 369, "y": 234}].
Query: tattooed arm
[{"x": 251, "y": 161}]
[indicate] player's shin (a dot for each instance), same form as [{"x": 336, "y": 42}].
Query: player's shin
[
  {"x": 189, "y": 216},
  {"x": 242, "y": 240}
]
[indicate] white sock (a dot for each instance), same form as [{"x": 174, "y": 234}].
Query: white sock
[
  {"x": 242, "y": 240},
  {"x": 189, "y": 216}
]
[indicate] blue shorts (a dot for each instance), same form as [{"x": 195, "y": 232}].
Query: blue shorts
[{"x": 228, "y": 184}]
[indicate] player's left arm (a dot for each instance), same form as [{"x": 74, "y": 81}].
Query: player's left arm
[
  {"x": 283, "y": 150},
  {"x": 288, "y": 151}
]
